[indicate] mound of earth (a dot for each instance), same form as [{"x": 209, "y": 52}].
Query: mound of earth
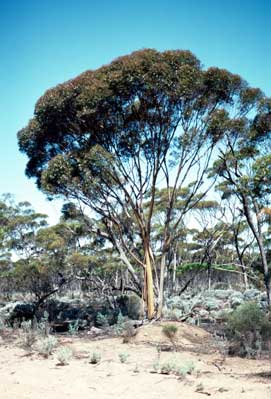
[{"x": 187, "y": 337}]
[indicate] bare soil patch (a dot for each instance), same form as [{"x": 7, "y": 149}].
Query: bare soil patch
[{"x": 30, "y": 376}]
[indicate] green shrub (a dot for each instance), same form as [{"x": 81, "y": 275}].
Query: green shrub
[
  {"x": 168, "y": 367},
  {"x": 74, "y": 327},
  {"x": 64, "y": 355},
  {"x": 172, "y": 367},
  {"x": 46, "y": 346},
  {"x": 170, "y": 331},
  {"x": 123, "y": 357},
  {"x": 119, "y": 326},
  {"x": 95, "y": 357},
  {"x": 185, "y": 369},
  {"x": 102, "y": 320},
  {"x": 29, "y": 335},
  {"x": 249, "y": 330},
  {"x": 43, "y": 327}
]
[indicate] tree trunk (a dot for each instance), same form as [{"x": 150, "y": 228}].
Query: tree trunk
[
  {"x": 161, "y": 287},
  {"x": 174, "y": 270},
  {"x": 244, "y": 275},
  {"x": 209, "y": 274},
  {"x": 266, "y": 271},
  {"x": 148, "y": 284},
  {"x": 257, "y": 232},
  {"x": 240, "y": 257}
]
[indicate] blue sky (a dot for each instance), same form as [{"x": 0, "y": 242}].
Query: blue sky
[{"x": 44, "y": 43}]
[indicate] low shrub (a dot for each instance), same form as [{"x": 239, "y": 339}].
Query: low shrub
[
  {"x": 30, "y": 335},
  {"x": 74, "y": 327},
  {"x": 64, "y": 355},
  {"x": 123, "y": 357},
  {"x": 102, "y": 320},
  {"x": 171, "y": 366},
  {"x": 120, "y": 325},
  {"x": 249, "y": 330},
  {"x": 95, "y": 357},
  {"x": 185, "y": 369},
  {"x": 46, "y": 346},
  {"x": 168, "y": 367},
  {"x": 170, "y": 331}
]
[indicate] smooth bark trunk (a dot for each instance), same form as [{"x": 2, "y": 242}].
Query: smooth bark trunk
[
  {"x": 148, "y": 284},
  {"x": 161, "y": 287}
]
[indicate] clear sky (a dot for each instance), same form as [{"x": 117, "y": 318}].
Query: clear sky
[{"x": 45, "y": 42}]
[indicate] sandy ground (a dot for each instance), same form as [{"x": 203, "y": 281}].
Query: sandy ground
[{"x": 26, "y": 375}]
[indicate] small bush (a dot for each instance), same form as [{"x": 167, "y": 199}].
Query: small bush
[
  {"x": 172, "y": 367},
  {"x": 64, "y": 355},
  {"x": 119, "y": 326},
  {"x": 123, "y": 357},
  {"x": 95, "y": 357},
  {"x": 185, "y": 369},
  {"x": 128, "y": 332},
  {"x": 156, "y": 367},
  {"x": 29, "y": 335},
  {"x": 168, "y": 367},
  {"x": 43, "y": 327},
  {"x": 170, "y": 331},
  {"x": 73, "y": 327},
  {"x": 249, "y": 330},
  {"x": 46, "y": 346},
  {"x": 102, "y": 320}
]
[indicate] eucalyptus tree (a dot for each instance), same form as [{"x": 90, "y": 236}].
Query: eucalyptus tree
[
  {"x": 244, "y": 169},
  {"x": 112, "y": 136}
]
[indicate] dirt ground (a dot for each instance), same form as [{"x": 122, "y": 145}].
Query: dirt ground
[{"x": 26, "y": 375}]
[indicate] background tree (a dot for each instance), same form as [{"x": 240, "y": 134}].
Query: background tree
[{"x": 244, "y": 169}]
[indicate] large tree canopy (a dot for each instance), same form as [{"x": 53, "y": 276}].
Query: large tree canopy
[{"x": 112, "y": 137}]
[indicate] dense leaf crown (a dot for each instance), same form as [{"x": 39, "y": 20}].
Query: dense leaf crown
[{"x": 129, "y": 106}]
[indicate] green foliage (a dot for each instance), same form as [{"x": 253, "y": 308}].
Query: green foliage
[
  {"x": 64, "y": 355},
  {"x": 46, "y": 346},
  {"x": 123, "y": 357},
  {"x": 120, "y": 325},
  {"x": 95, "y": 357},
  {"x": 170, "y": 331},
  {"x": 102, "y": 320},
  {"x": 248, "y": 327},
  {"x": 171, "y": 366},
  {"x": 168, "y": 367},
  {"x": 201, "y": 266},
  {"x": 187, "y": 368},
  {"x": 73, "y": 327},
  {"x": 43, "y": 327},
  {"x": 30, "y": 336}
]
